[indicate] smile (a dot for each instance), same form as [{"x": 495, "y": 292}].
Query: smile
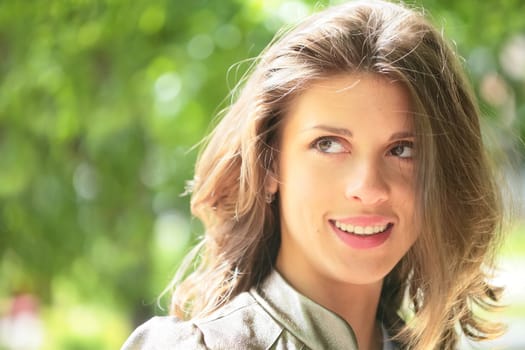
[
  {"x": 362, "y": 237},
  {"x": 361, "y": 230}
]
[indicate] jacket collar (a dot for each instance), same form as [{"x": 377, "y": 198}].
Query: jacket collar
[{"x": 316, "y": 326}]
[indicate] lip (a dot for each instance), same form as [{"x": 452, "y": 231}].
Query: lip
[{"x": 362, "y": 241}]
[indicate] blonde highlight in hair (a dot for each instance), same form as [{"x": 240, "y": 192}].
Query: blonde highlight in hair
[{"x": 444, "y": 278}]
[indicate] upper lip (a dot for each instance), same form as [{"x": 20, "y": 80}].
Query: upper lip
[{"x": 365, "y": 220}]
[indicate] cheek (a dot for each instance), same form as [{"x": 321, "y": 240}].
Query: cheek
[
  {"x": 403, "y": 200},
  {"x": 402, "y": 193},
  {"x": 401, "y": 179},
  {"x": 307, "y": 179},
  {"x": 405, "y": 194}
]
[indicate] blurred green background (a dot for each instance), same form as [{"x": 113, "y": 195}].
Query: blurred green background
[{"x": 100, "y": 105}]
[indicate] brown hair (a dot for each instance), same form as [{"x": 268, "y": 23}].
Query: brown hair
[{"x": 444, "y": 276}]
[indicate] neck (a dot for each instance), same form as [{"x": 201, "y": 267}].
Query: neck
[{"x": 356, "y": 304}]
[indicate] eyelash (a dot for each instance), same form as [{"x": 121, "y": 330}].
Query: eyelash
[
  {"x": 315, "y": 144},
  {"x": 403, "y": 143}
]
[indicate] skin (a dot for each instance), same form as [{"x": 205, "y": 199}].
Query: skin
[{"x": 345, "y": 151}]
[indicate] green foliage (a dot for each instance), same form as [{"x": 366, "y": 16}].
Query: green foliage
[{"x": 100, "y": 104}]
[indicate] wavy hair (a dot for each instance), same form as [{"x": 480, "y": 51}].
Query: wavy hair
[{"x": 435, "y": 292}]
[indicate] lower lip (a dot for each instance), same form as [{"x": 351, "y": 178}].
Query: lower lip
[{"x": 362, "y": 241}]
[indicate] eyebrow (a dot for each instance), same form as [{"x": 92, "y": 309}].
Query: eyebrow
[
  {"x": 402, "y": 135},
  {"x": 348, "y": 133},
  {"x": 331, "y": 129}
]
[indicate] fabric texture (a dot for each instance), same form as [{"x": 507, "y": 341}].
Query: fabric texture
[{"x": 272, "y": 315}]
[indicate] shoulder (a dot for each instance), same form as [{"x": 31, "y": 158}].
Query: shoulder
[
  {"x": 240, "y": 324},
  {"x": 165, "y": 333}
]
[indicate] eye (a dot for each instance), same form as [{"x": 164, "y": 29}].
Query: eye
[
  {"x": 403, "y": 149},
  {"x": 328, "y": 144}
]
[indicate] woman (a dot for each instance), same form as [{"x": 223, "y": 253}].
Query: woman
[{"x": 347, "y": 198}]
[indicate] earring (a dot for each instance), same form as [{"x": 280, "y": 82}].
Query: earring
[{"x": 269, "y": 197}]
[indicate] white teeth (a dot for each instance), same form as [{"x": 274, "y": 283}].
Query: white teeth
[{"x": 361, "y": 230}]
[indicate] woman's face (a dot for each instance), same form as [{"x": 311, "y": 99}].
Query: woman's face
[{"x": 346, "y": 181}]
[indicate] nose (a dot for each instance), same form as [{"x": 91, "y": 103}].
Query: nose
[{"x": 366, "y": 184}]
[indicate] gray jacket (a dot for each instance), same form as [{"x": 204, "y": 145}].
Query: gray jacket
[{"x": 270, "y": 316}]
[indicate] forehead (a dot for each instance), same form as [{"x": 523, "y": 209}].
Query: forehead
[{"x": 346, "y": 100}]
